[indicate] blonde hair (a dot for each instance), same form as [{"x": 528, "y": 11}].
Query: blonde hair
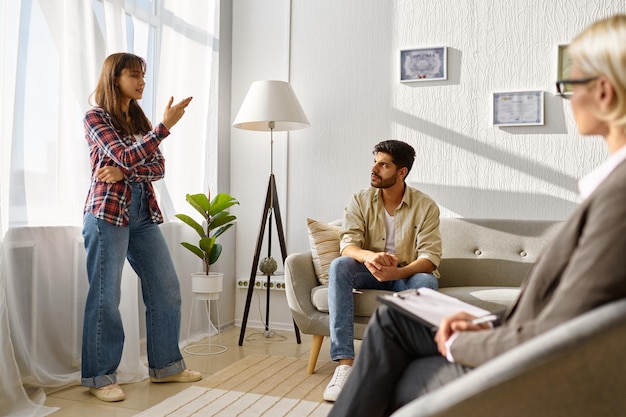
[
  {"x": 601, "y": 50},
  {"x": 107, "y": 95}
]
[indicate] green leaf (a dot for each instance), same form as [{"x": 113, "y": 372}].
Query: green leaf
[
  {"x": 207, "y": 243},
  {"x": 194, "y": 249},
  {"x": 194, "y": 224},
  {"x": 200, "y": 202},
  {"x": 221, "y": 219},
  {"x": 222, "y": 230},
  {"x": 221, "y": 202},
  {"x": 216, "y": 251}
]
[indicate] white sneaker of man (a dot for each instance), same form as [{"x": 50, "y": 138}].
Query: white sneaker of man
[{"x": 334, "y": 387}]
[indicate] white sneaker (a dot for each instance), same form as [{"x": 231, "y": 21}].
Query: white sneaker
[{"x": 334, "y": 387}]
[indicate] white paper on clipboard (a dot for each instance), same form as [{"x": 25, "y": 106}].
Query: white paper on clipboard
[{"x": 429, "y": 306}]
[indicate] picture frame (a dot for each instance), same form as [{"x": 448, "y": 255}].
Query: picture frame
[
  {"x": 423, "y": 64},
  {"x": 518, "y": 108},
  {"x": 564, "y": 67}
]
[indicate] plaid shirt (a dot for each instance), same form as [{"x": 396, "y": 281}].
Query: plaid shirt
[{"x": 139, "y": 158}]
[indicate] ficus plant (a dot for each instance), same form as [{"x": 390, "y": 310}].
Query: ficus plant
[{"x": 216, "y": 219}]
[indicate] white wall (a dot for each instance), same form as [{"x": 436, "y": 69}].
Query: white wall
[
  {"x": 261, "y": 47},
  {"x": 341, "y": 58}
]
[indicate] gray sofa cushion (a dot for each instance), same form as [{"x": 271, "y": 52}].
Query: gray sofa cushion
[
  {"x": 364, "y": 304},
  {"x": 490, "y": 298}
]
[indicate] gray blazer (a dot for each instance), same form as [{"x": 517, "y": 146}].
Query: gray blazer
[{"x": 583, "y": 268}]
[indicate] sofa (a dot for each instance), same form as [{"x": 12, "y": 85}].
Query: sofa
[{"x": 484, "y": 262}]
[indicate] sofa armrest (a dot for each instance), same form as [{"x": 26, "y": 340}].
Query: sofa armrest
[
  {"x": 575, "y": 369},
  {"x": 300, "y": 279}
]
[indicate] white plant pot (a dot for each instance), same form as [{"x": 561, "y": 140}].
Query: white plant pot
[{"x": 207, "y": 287}]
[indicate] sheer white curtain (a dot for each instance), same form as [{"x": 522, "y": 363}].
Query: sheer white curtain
[
  {"x": 51, "y": 57},
  {"x": 13, "y": 398}
]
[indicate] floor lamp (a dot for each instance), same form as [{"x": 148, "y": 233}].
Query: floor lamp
[{"x": 269, "y": 106}]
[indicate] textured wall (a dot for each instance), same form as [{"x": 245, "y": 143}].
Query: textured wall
[
  {"x": 345, "y": 66},
  {"x": 342, "y": 59}
]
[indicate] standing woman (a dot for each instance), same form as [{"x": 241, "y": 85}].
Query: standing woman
[{"x": 121, "y": 220}]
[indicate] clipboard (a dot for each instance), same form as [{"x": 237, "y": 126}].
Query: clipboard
[{"x": 429, "y": 306}]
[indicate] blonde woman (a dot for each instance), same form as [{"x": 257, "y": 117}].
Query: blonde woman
[{"x": 582, "y": 269}]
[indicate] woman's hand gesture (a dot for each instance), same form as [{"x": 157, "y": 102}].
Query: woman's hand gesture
[{"x": 173, "y": 113}]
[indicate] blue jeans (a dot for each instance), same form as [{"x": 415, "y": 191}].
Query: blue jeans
[
  {"x": 107, "y": 248},
  {"x": 346, "y": 273}
]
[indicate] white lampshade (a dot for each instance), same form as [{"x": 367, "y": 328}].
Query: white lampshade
[{"x": 270, "y": 101}]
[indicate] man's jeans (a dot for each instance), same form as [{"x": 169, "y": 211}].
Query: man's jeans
[
  {"x": 103, "y": 335},
  {"x": 345, "y": 274}
]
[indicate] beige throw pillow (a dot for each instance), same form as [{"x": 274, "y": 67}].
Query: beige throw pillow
[{"x": 324, "y": 241}]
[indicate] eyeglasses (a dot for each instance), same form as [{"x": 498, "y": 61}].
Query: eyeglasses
[{"x": 561, "y": 85}]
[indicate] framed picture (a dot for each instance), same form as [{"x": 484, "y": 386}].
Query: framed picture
[
  {"x": 564, "y": 67},
  {"x": 519, "y": 108},
  {"x": 423, "y": 64}
]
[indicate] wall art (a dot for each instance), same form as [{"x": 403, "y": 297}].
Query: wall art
[
  {"x": 519, "y": 108},
  {"x": 423, "y": 64},
  {"x": 564, "y": 67}
]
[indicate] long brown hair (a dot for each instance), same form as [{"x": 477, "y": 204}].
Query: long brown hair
[{"x": 107, "y": 95}]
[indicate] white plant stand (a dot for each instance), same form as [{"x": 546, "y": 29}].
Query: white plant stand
[{"x": 203, "y": 349}]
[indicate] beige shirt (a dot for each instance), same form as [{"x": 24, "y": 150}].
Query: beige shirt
[{"x": 416, "y": 223}]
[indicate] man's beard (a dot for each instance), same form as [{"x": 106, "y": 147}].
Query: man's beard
[{"x": 383, "y": 183}]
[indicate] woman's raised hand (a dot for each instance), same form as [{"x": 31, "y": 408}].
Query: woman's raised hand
[{"x": 173, "y": 113}]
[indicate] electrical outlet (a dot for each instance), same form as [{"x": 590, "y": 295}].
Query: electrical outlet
[{"x": 261, "y": 284}]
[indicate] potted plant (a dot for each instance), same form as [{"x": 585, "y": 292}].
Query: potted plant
[{"x": 217, "y": 219}]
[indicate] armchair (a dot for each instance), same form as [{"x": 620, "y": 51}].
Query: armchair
[{"x": 575, "y": 370}]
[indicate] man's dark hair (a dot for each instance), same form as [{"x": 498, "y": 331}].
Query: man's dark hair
[{"x": 402, "y": 153}]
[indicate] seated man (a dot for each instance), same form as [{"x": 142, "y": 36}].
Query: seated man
[
  {"x": 390, "y": 240},
  {"x": 582, "y": 269}
]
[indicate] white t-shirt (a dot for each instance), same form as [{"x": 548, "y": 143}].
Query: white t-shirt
[{"x": 390, "y": 235}]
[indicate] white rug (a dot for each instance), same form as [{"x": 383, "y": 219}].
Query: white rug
[
  {"x": 197, "y": 401},
  {"x": 258, "y": 385}
]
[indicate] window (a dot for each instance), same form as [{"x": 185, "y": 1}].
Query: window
[{"x": 50, "y": 67}]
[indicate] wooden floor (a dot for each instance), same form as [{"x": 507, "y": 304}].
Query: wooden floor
[{"x": 77, "y": 402}]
